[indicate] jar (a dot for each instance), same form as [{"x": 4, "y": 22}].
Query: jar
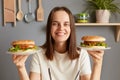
[{"x": 83, "y": 18}]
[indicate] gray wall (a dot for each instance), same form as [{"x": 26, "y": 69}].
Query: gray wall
[{"x": 36, "y": 31}]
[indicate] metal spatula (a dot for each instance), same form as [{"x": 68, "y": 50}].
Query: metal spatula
[{"x": 40, "y": 12}]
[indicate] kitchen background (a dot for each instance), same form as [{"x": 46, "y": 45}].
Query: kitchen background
[{"x": 36, "y": 31}]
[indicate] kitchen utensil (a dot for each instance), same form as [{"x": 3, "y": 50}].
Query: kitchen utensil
[
  {"x": 40, "y": 11},
  {"x": 19, "y": 13},
  {"x": 9, "y": 11},
  {"x": 29, "y": 16}
]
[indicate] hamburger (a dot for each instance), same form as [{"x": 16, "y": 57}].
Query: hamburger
[
  {"x": 93, "y": 42},
  {"x": 22, "y": 45}
]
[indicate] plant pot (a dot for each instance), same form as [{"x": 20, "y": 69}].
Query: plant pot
[{"x": 102, "y": 16}]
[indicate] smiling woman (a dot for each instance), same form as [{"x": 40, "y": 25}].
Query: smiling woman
[
  {"x": 59, "y": 58},
  {"x": 60, "y": 29}
]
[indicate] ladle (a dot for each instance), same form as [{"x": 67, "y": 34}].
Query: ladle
[
  {"x": 29, "y": 16},
  {"x": 19, "y": 13}
]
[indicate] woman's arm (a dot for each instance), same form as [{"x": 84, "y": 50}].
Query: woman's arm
[
  {"x": 85, "y": 77},
  {"x": 97, "y": 57},
  {"x": 19, "y": 61},
  {"x": 35, "y": 76},
  {"x": 96, "y": 71},
  {"x": 23, "y": 73}
]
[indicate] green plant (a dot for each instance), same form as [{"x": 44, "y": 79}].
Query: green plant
[{"x": 110, "y": 5}]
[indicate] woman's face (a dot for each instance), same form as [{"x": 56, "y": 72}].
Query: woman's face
[{"x": 60, "y": 29}]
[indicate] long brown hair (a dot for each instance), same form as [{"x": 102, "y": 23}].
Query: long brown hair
[{"x": 71, "y": 42}]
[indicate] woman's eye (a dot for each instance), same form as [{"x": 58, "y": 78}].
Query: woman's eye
[
  {"x": 66, "y": 24},
  {"x": 54, "y": 24}
]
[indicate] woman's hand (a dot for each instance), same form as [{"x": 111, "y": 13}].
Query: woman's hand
[
  {"x": 96, "y": 55},
  {"x": 19, "y": 60}
]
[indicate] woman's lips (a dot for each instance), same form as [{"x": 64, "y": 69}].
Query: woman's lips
[{"x": 60, "y": 33}]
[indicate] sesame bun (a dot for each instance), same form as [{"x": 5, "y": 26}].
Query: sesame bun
[
  {"x": 93, "y": 38},
  {"x": 22, "y": 46},
  {"x": 23, "y": 42}
]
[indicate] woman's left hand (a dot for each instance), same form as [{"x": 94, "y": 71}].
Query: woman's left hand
[{"x": 97, "y": 55}]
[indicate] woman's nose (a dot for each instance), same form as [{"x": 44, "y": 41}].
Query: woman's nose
[{"x": 61, "y": 26}]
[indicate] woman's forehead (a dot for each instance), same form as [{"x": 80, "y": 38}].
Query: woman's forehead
[{"x": 60, "y": 15}]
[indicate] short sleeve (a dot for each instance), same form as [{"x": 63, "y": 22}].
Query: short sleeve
[
  {"x": 85, "y": 65},
  {"x": 35, "y": 66}
]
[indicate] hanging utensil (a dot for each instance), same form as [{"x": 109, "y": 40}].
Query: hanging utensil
[
  {"x": 19, "y": 13},
  {"x": 40, "y": 11},
  {"x": 9, "y": 14},
  {"x": 29, "y": 16}
]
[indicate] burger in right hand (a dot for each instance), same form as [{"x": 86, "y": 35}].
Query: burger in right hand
[{"x": 93, "y": 42}]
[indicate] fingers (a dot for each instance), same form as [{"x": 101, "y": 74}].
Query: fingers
[
  {"x": 19, "y": 60},
  {"x": 96, "y": 54}
]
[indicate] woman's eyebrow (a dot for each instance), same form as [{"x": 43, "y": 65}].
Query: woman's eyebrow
[{"x": 54, "y": 21}]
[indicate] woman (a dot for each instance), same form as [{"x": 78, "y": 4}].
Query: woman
[{"x": 59, "y": 58}]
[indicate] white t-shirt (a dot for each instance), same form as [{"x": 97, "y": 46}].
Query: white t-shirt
[{"x": 61, "y": 67}]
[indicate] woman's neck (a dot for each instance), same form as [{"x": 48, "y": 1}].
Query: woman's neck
[{"x": 61, "y": 47}]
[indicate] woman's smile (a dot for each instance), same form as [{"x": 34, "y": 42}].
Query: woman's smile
[{"x": 60, "y": 33}]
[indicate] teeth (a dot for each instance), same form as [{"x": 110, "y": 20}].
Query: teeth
[{"x": 60, "y": 34}]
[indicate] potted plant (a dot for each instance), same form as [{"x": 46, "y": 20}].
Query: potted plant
[{"x": 103, "y": 9}]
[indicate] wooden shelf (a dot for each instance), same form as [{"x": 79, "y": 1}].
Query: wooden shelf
[
  {"x": 97, "y": 24},
  {"x": 117, "y": 25}
]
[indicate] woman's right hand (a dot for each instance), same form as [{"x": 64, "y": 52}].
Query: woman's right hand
[{"x": 19, "y": 60}]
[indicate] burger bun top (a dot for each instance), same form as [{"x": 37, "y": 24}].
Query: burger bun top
[
  {"x": 23, "y": 42},
  {"x": 93, "y": 38}
]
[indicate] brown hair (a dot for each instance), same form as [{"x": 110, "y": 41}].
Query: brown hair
[{"x": 71, "y": 42}]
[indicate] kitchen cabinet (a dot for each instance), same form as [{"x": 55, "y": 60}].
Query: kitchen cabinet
[{"x": 116, "y": 25}]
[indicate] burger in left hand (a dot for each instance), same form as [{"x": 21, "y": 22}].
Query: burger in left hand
[{"x": 22, "y": 45}]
